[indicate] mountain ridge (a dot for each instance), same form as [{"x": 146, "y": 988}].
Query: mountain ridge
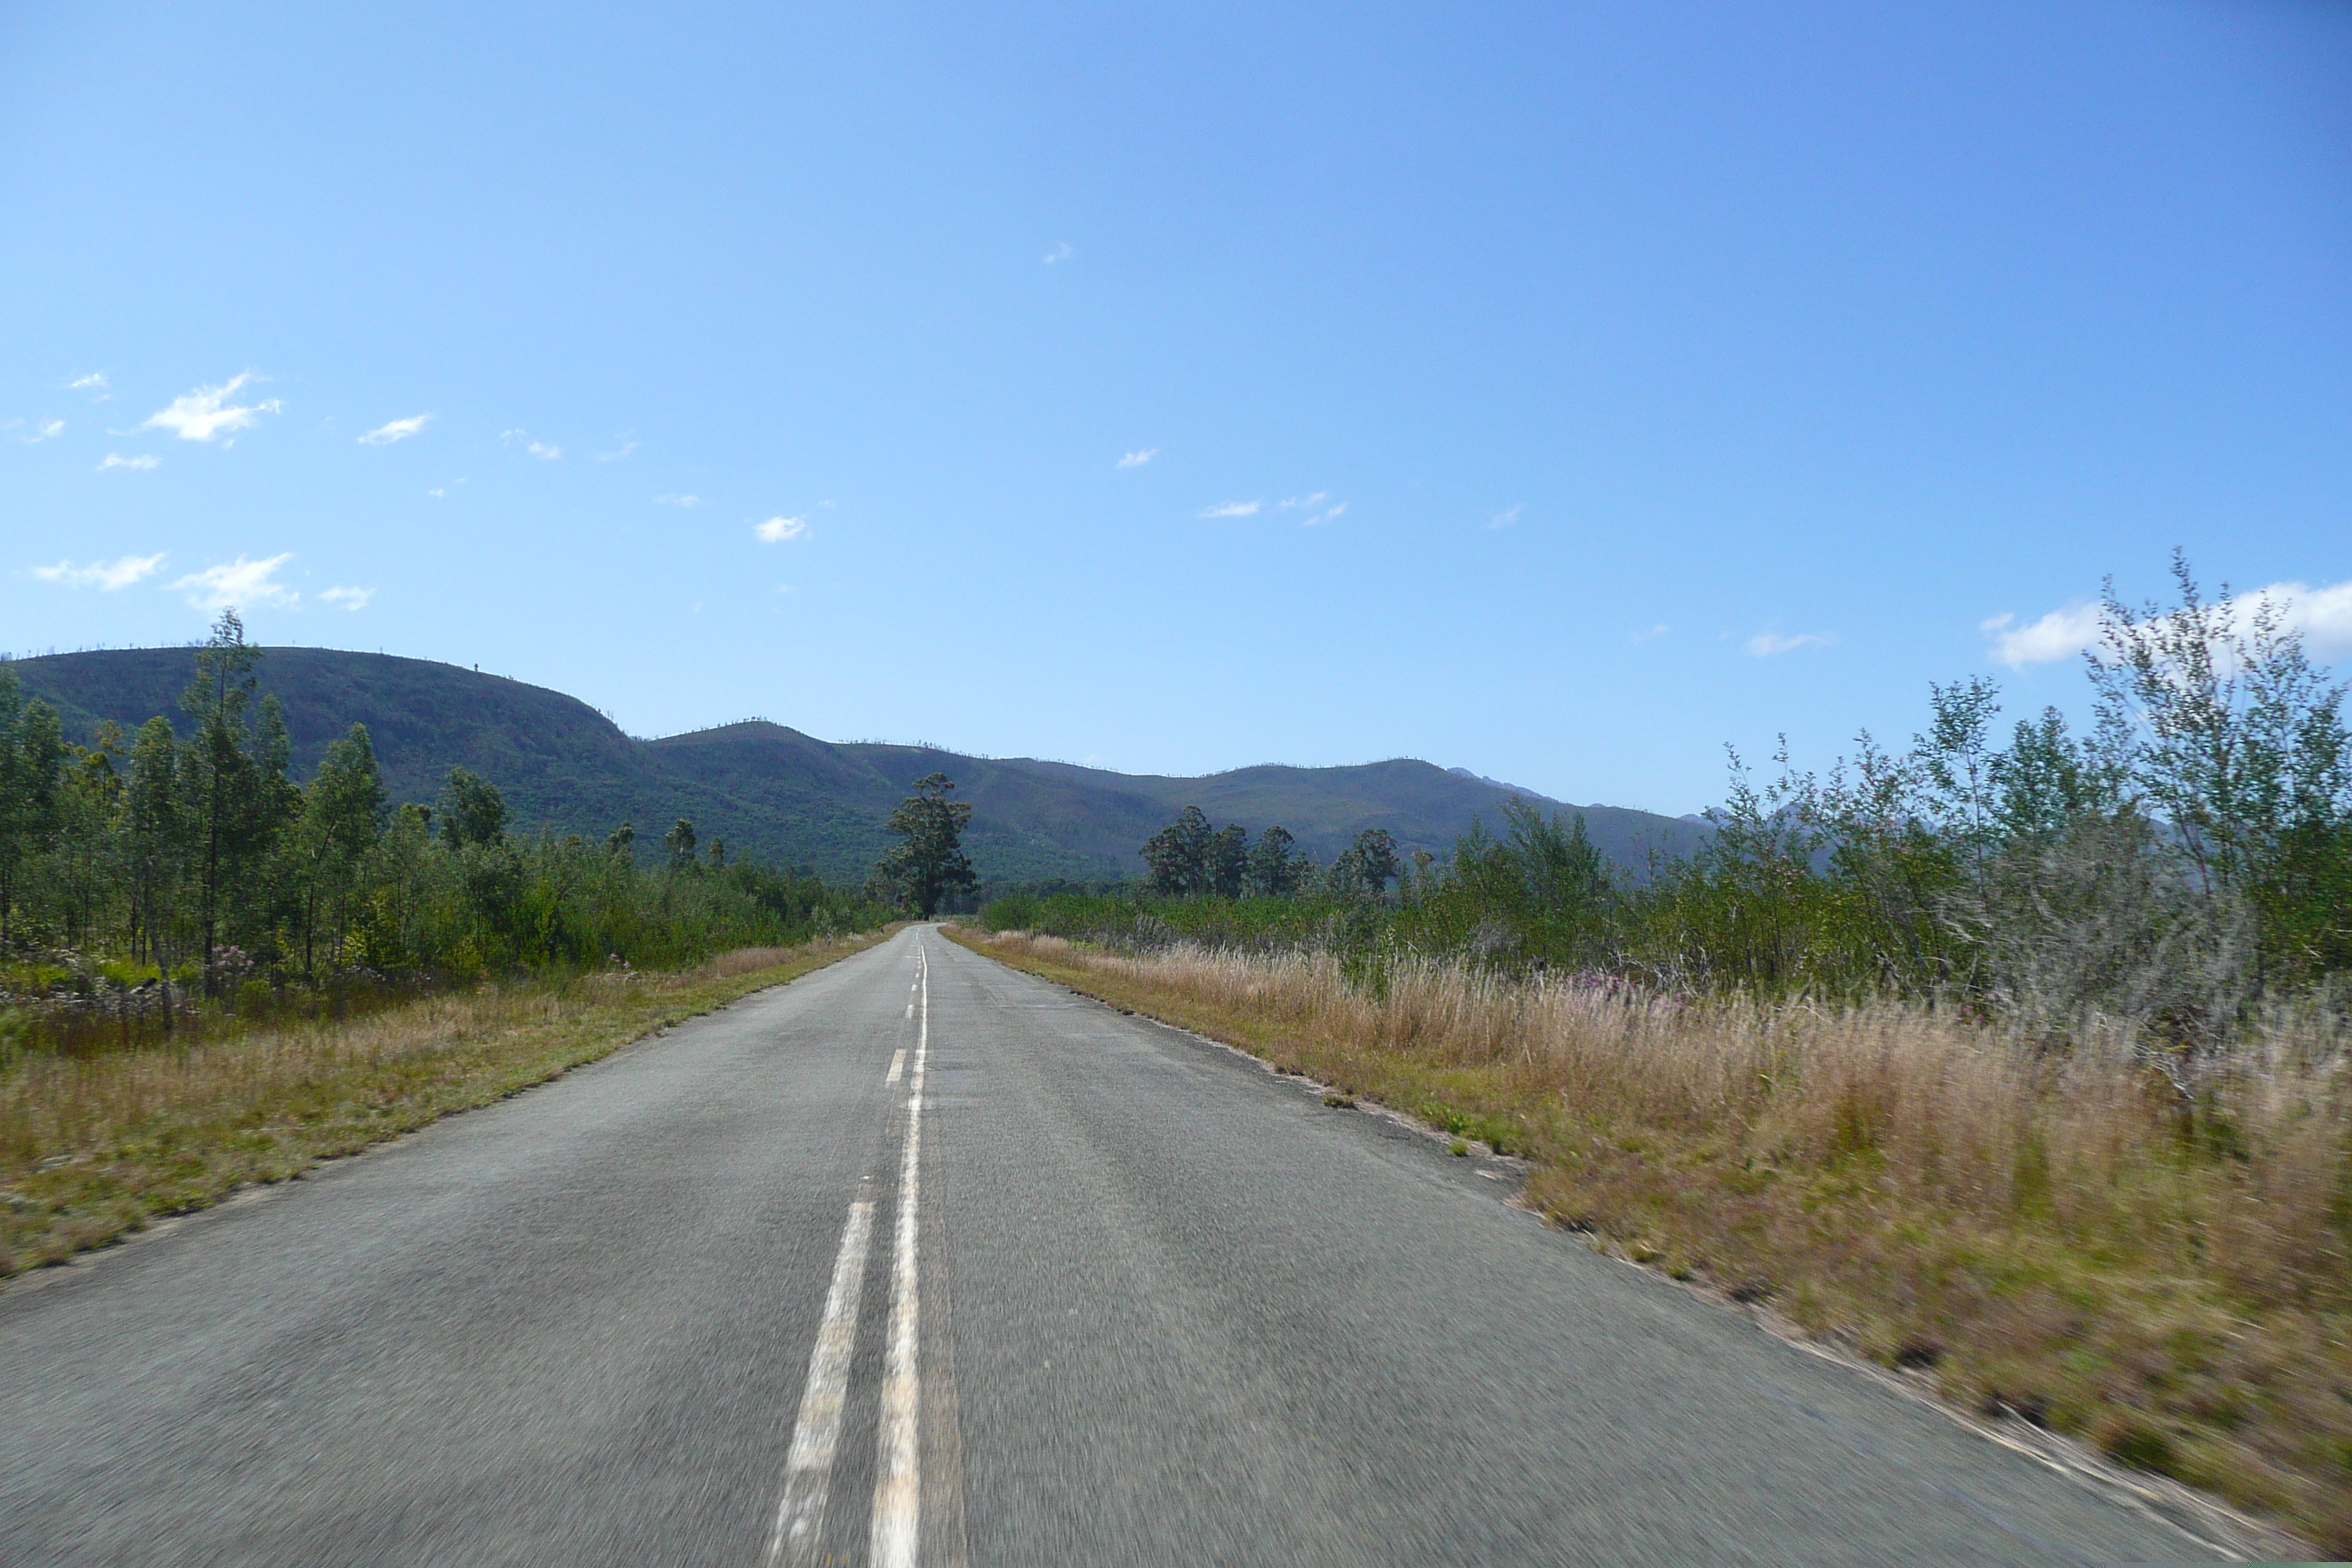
[{"x": 779, "y": 793}]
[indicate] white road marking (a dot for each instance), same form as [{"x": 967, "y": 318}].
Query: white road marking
[
  {"x": 899, "y": 1482},
  {"x": 897, "y": 1060},
  {"x": 799, "y": 1517},
  {"x": 911, "y": 1009}
]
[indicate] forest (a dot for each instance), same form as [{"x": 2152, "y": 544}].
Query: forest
[{"x": 154, "y": 881}]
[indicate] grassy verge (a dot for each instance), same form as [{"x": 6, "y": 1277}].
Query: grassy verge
[
  {"x": 93, "y": 1146},
  {"x": 2056, "y": 1239}
]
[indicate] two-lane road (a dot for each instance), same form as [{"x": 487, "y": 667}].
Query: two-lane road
[{"x": 920, "y": 1259}]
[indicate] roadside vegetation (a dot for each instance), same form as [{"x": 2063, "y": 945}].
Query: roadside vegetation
[
  {"x": 95, "y": 1143},
  {"x": 154, "y": 887},
  {"x": 211, "y": 974},
  {"x": 2019, "y": 1062}
]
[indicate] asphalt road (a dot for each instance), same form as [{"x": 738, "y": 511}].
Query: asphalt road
[{"x": 1127, "y": 1298}]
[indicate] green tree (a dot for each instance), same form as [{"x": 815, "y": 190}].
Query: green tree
[
  {"x": 928, "y": 861},
  {"x": 224, "y": 785},
  {"x": 622, "y": 842},
  {"x": 86, "y": 864},
  {"x": 1228, "y": 861},
  {"x": 679, "y": 842},
  {"x": 31, "y": 747},
  {"x": 471, "y": 810},
  {"x": 1179, "y": 855},
  {"x": 1275, "y": 869},
  {"x": 1366, "y": 865},
  {"x": 156, "y": 836},
  {"x": 341, "y": 820}
]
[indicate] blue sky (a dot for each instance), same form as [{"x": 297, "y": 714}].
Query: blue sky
[{"x": 1558, "y": 391}]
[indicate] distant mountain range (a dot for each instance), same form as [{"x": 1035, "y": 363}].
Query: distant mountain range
[{"x": 774, "y": 791}]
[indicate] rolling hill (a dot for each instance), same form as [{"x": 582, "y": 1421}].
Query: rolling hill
[{"x": 774, "y": 792}]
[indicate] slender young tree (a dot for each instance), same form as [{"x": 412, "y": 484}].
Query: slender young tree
[
  {"x": 342, "y": 819},
  {"x": 155, "y": 823},
  {"x": 31, "y": 748},
  {"x": 219, "y": 773}
]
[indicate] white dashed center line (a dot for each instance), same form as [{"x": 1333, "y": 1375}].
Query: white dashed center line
[
  {"x": 799, "y": 1517},
  {"x": 897, "y": 1484}
]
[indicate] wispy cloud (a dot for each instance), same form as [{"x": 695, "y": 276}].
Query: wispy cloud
[
  {"x": 787, "y": 588},
  {"x": 1313, "y": 505},
  {"x": 1061, "y": 252},
  {"x": 540, "y": 450},
  {"x": 1660, "y": 629},
  {"x": 1137, "y": 459},
  {"x": 2322, "y": 615},
  {"x": 384, "y": 435},
  {"x": 1764, "y": 645},
  {"x": 94, "y": 382},
  {"x": 629, "y": 444},
  {"x": 144, "y": 460},
  {"x": 104, "y": 575},
  {"x": 689, "y": 502},
  {"x": 777, "y": 529},
  {"x": 1505, "y": 518},
  {"x": 238, "y": 584},
  {"x": 206, "y": 411},
  {"x": 349, "y": 598},
  {"x": 1233, "y": 508},
  {"x": 43, "y": 430}
]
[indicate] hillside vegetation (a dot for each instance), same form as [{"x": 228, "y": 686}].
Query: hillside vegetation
[{"x": 772, "y": 792}]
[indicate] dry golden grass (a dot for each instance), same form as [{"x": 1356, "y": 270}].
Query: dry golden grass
[
  {"x": 93, "y": 1146},
  {"x": 2050, "y": 1238}
]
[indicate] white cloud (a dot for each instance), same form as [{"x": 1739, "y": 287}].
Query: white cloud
[
  {"x": 94, "y": 382},
  {"x": 1660, "y": 629},
  {"x": 395, "y": 430},
  {"x": 2323, "y": 616},
  {"x": 689, "y": 502},
  {"x": 786, "y": 588},
  {"x": 105, "y": 575},
  {"x": 1507, "y": 517},
  {"x": 238, "y": 584},
  {"x": 1061, "y": 252},
  {"x": 117, "y": 460},
  {"x": 43, "y": 430},
  {"x": 349, "y": 598},
  {"x": 777, "y": 529},
  {"x": 1301, "y": 503},
  {"x": 206, "y": 411},
  {"x": 536, "y": 448},
  {"x": 1327, "y": 515},
  {"x": 438, "y": 493},
  {"x": 1233, "y": 508},
  {"x": 629, "y": 444},
  {"x": 1764, "y": 645},
  {"x": 1137, "y": 459}
]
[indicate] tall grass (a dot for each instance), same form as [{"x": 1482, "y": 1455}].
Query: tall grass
[
  {"x": 2060, "y": 1235},
  {"x": 92, "y": 1145}
]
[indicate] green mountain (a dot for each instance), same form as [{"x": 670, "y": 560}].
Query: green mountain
[{"x": 774, "y": 792}]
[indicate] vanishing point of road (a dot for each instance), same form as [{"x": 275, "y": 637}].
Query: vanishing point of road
[{"x": 919, "y": 1260}]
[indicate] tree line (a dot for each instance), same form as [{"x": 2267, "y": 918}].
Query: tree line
[
  {"x": 2182, "y": 859},
  {"x": 157, "y": 861}
]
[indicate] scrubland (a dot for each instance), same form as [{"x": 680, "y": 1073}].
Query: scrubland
[{"x": 2059, "y": 1236}]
